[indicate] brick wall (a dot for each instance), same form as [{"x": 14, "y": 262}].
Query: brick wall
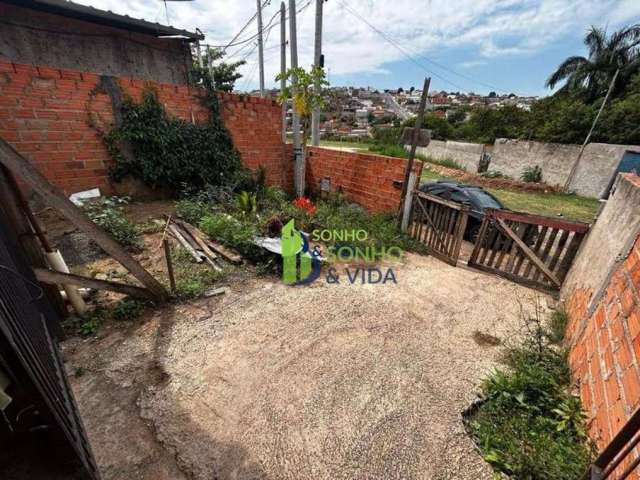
[
  {"x": 45, "y": 114},
  {"x": 367, "y": 179},
  {"x": 603, "y": 333}
]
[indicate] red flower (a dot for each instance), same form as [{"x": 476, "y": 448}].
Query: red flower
[{"x": 305, "y": 204}]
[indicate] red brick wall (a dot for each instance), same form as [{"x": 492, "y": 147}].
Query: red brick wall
[
  {"x": 605, "y": 349},
  {"x": 45, "y": 114},
  {"x": 367, "y": 179}
]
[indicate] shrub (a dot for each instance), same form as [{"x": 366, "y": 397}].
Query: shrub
[
  {"x": 168, "y": 151},
  {"x": 387, "y": 136},
  {"x": 192, "y": 279},
  {"x": 529, "y": 425},
  {"x": 108, "y": 214},
  {"x": 128, "y": 309},
  {"x": 532, "y": 174},
  {"x": 236, "y": 233}
]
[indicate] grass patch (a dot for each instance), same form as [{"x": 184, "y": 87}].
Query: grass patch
[
  {"x": 399, "y": 151},
  {"x": 363, "y": 146},
  {"x": 529, "y": 426},
  {"x": 192, "y": 279},
  {"x": 572, "y": 207}
]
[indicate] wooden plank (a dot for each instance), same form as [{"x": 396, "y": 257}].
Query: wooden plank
[
  {"x": 167, "y": 258},
  {"x": 571, "y": 251},
  {"x": 54, "y": 197},
  {"x": 520, "y": 229},
  {"x": 436, "y": 233},
  {"x": 477, "y": 247},
  {"x": 523, "y": 281},
  {"x": 197, "y": 235},
  {"x": 536, "y": 248},
  {"x": 438, "y": 200},
  {"x": 559, "y": 250},
  {"x": 539, "y": 220},
  {"x": 551, "y": 239},
  {"x": 408, "y": 202},
  {"x": 52, "y": 277},
  {"x": 463, "y": 218},
  {"x": 527, "y": 251}
]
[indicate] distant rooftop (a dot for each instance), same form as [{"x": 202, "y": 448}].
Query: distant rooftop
[{"x": 103, "y": 17}]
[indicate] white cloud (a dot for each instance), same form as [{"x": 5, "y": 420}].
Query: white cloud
[
  {"x": 488, "y": 28},
  {"x": 472, "y": 63}
]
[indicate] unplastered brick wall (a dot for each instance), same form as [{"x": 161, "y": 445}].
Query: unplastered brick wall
[
  {"x": 603, "y": 304},
  {"x": 373, "y": 181},
  {"x": 52, "y": 117}
]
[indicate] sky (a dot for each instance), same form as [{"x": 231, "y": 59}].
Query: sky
[{"x": 506, "y": 46}]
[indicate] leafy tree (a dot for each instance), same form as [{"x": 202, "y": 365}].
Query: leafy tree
[
  {"x": 593, "y": 75},
  {"x": 456, "y": 117},
  {"x": 440, "y": 128},
  {"x": 301, "y": 90},
  {"x": 487, "y": 124},
  {"x": 222, "y": 76}
]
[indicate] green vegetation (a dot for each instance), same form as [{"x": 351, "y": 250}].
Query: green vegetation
[
  {"x": 192, "y": 279},
  {"x": 360, "y": 146},
  {"x": 571, "y": 207},
  {"x": 169, "y": 152},
  {"x": 126, "y": 309},
  {"x": 532, "y": 174},
  {"x": 529, "y": 425},
  {"x": 109, "y": 215},
  {"x": 222, "y": 76},
  {"x": 400, "y": 152}
]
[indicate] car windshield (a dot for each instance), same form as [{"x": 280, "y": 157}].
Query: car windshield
[{"x": 483, "y": 199}]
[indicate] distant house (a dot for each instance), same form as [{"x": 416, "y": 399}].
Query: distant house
[{"x": 66, "y": 35}]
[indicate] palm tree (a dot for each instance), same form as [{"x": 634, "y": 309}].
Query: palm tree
[{"x": 607, "y": 54}]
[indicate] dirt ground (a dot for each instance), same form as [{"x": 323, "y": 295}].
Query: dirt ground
[{"x": 328, "y": 381}]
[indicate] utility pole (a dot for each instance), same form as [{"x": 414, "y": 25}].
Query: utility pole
[
  {"x": 317, "y": 61},
  {"x": 414, "y": 142},
  {"x": 299, "y": 166},
  {"x": 574, "y": 167},
  {"x": 260, "y": 48},
  {"x": 283, "y": 66}
]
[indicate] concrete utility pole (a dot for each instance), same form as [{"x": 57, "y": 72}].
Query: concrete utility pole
[
  {"x": 260, "y": 48},
  {"x": 283, "y": 66},
  {"x": 299, "y": 167},
  {"x": 315, "y": 118},
  {"x": 574, "y": 167},
  {"x": 199, "y": 53}
]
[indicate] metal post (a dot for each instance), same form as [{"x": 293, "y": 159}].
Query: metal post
[
  {"x": 315, "y": 118},
  {"x": 574, "y": 167},
  {"x": 297, "y": 144},
  {"x": 283, "y": 66},
  {"x": 260, "y": 48}
]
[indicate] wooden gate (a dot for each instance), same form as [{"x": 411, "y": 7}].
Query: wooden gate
[
  {"x": 530, "y": 249},
  {"x": 439, "y": 225}
]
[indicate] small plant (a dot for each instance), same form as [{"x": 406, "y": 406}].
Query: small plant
[
  {"x": 247, "y": 203},
  {"x": 529, "y": 425},
  {"x": 532, "y": 174},
  {"x": 192, "y": 279},
  {"x": 128, "y": 309},
  {"x": 192, "y": 210},
  {"x": 109, "y": 215},
  {"x": 493, "y": 174},
  {"x": 558, "y": 325},
  {"x": 305, "y": 204}
]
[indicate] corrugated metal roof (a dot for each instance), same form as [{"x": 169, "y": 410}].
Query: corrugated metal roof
[{"x": 89, "y": 14}]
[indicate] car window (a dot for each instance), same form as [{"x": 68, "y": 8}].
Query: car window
[
  {"x": 459, "y": 197},
  {"x": 483, "y": 199}
]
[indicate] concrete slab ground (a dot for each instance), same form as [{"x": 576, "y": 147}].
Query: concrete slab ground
[{"x": 320, "y": 382}]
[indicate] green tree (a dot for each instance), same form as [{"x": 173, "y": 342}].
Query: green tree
[
  {"x": 301, "y": 90},
  {"x": 592, "y": 75},
  {"x": 440, "y": 128},
  {"x": 222, "y": 76},
  {"x": 487, "y": 124}
]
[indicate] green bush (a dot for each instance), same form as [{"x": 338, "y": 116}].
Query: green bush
[
  {"x": 529, "y": 425},
  {"x": 109, "y": 215},
  {"x": 532, "y": 174},
  {"x": 234, "y": 232},
  {"x": 192, "y": 210},
  {"x": 387, "y": 136},
  {"x": 128, "y": 309},
  {"x": 192, "y": 279},
  {"x": 169, "y": 152}
]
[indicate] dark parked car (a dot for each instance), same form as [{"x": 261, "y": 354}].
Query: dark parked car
[{"x": 476, "y": 198}]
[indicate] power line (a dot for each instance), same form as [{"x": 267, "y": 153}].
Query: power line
[{"x": 407, "y": 54}]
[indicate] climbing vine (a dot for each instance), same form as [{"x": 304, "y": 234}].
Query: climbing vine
[{"x": 168, "y": 152}]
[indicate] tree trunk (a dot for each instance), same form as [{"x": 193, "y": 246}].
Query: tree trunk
[{"x": 301, "y": 161}]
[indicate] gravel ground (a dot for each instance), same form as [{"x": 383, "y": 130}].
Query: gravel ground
[{"x": 320, "y": 382}]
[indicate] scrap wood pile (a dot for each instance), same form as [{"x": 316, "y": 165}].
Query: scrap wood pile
[{"x": 201, "y": 248}]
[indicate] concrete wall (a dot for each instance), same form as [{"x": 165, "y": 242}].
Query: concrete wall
[
  {"x": 594, "y": 174},
  {"x": 511, "y": 157},
  {"x": 37, "y": 38},
  {"x": 602, "y": 298},
  {"x": 467, "y": 155}
]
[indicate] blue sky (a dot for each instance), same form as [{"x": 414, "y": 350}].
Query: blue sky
[{"x": 502, "y": 45}]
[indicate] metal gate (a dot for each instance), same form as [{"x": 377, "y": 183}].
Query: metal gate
[
  {"x": 530, "y": 249},
  {"x": 439, "y": 224},
  {"x": 25, "y": 318}
]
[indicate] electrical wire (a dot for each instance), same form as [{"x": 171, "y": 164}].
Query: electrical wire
[{"x": 407, "y": 54}]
